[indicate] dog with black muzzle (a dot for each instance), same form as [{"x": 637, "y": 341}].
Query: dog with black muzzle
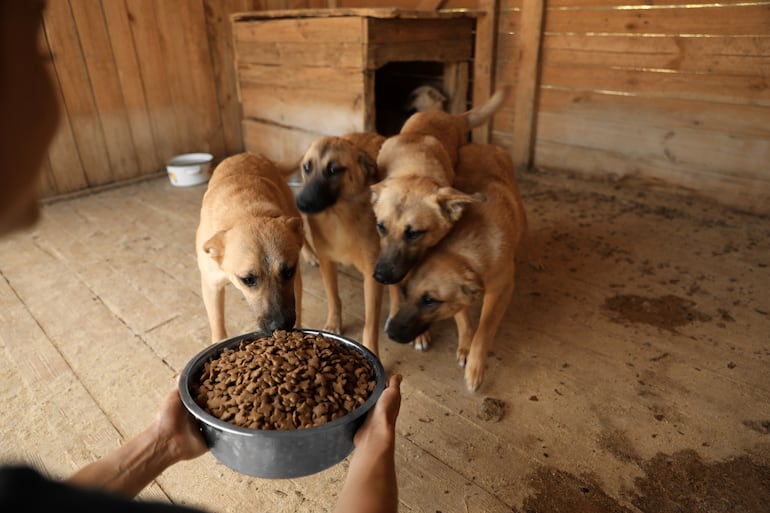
[
  {"x": 476, "y": 260},
  {"x": 335, "y": 198},
  {"x": 250, "y": 234}
]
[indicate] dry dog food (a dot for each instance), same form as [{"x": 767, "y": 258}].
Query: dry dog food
[{"x": 290, "y": 380}]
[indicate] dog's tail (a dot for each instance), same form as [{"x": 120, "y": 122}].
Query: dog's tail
[{"x": 480, "y": 115}]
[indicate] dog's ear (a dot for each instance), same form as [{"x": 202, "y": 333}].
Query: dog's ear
[
  {"x": 295, "y": 224},
  {"x": 435, "y": 95},
  {"x": 376, "y": 188},
  {"x": 368, "y": 166},
  {"x": 452, "y": 202},
  {"x": 215, "y": 246},
  {"x": 470, "y": 285}
]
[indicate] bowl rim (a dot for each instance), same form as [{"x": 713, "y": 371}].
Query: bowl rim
[
  {"x": 214, "y": 422},
  {"x": 179, "y": 160}
]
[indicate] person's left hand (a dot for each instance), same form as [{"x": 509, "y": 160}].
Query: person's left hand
[{"x": 178, "y": 429}]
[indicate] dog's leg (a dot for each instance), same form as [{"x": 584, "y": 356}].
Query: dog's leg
[
  {"x": 214, "y": 301},
  {"x": 298, "y": 298},
  {"x": 464, "y": 335},
  {"x": 372, "y": 305},
  {"x": 329, "y": 277},
  {"x": 422, "y": 341},
  {"x": 492, "y": 311},
  {"x": 394, "y": 294}
]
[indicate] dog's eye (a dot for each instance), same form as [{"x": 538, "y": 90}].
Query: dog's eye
[
  {"x": 287, "y": 273},
  {"x": 381, "y": 229},
  {"x": 412, "y": 235},
  {"x": 429, "y": 301},
  {"x": 249, "y": 280},
  {"x": 332, "y": 169},
  {"x": 306, "y": 167},
  {"x": 403, "y": 290}
]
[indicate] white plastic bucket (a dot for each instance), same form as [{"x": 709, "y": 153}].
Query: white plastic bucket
[{"x": 189, "y": 169}]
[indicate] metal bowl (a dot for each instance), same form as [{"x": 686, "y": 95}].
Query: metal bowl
[{"x": 278, "y": 453}]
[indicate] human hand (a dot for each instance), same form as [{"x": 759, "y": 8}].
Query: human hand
[
  {"x": 178, "y": 430},
  {"x": 380, "y": 424}
]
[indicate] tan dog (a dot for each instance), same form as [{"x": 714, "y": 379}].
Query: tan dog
[
  {"x": 335, "y": 197},
  {"x": 475, "y": 260},
  {"x": 415, "y": 204},
  {"x": 250, "y": 234},
  {"x": 426, "y": 98}
]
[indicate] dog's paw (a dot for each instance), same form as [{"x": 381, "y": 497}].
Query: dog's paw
[
  {"x": 333, "y": 328},
  {"x": 309, "y": 257},
  {"x": 462, "y": 357},
  {"x": 422, "y": 342},
  {"x": 474, "y": 375}
]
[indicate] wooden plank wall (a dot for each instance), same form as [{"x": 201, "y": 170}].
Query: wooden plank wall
[
  {"x": 674, "y": 93},
  {"x": 139, "y": 82},
  {"x": 664, "y": 91}
]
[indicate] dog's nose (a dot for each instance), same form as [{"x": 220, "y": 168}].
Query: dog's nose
[
  {"x": 282, "y": 322},
  {"x": 401, "y": 333},
  {"x": 384, "y": 273}
]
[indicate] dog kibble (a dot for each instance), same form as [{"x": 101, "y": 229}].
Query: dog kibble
[{"x": 290, "y": 380}]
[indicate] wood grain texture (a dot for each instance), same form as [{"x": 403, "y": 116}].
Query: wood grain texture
[{"x": 95, "y": 358}]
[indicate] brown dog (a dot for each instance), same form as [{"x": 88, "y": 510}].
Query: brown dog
[
  {"x": 415, "y": 204},
  {"x": 250, "y": 234},
  {"x": 335, "y": 197},
  {"x": 475, "y": 260}
]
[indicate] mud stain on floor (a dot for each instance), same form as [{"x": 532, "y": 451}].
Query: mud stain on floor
[
  {"x": 683, "y": 482},
  {"x": 666, "y": 312},
  {"x": 678, "y": 483},
  {"x": 556, "y": 491},
  {"x": 619, "y": 446}
]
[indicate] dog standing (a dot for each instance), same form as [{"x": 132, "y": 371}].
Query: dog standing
[
  {"x": 250, "y": 234},
  {"x": 475, "y": 260},
  {"x": 335, "y": 198},
  {"x": 415, "y": 204}
]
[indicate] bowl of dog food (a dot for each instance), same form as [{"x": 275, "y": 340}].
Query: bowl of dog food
[
  {"x": 189, "y": 169},
  {"x": 284, "y": 404}
]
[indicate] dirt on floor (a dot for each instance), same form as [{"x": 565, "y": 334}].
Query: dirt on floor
[{"x": 672, "y": 483}]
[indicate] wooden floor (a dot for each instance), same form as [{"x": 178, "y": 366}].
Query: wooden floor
[{"x": 635, "y": 369}]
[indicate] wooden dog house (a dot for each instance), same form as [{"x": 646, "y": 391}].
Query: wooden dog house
[{"x": 307, "y": 73}]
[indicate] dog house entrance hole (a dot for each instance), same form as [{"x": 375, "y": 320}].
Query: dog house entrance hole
[{"x": 393, "y": 85}]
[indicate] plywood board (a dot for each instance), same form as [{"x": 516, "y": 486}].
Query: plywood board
[
  {"x": 527, "y": 84},
  {"x": 440, "y": 51},
  {"x": 746, "y": 18},
  {"x": 300, "y": 30},
  {"x": 322, "y": 111},
  {"x": 126, "y": 60},
  {"x": 695, "y": 53},
  {"x": 341, "y": 55},
  {"x": 77, "y": 93},
  {"x": 276, "y": 142},
  {"x": 102, "y": 73},
  {"x": 484, "y": 56},
  {"x": 155, "y": 78}
]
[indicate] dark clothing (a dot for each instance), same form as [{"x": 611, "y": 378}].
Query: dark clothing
[{"x": 23, "y": 489}]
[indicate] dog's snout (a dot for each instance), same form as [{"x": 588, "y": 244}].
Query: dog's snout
[
  {"x": 315, "y": 197},
  {"x": 282, "y": 322},
  {"x": 403, "y": 332},
  {"x": 385, "y": 273},
  {"x": 308, "y": 205}
]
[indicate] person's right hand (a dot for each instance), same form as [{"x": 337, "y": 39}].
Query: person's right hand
[{"x": 380, "y": 424}]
